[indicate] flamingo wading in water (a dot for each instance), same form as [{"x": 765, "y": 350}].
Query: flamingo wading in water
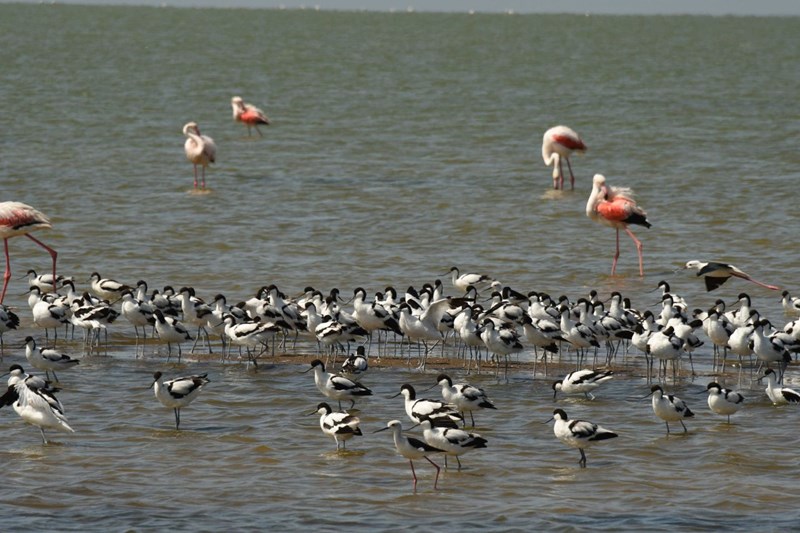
[
  {"x": 18, "y": 219},
  {"x": 615, "y": 207},
  {"x": 558, "y": 144},
  {"x": 248, "y": 114},
  {"x": 200, "y": 150}
]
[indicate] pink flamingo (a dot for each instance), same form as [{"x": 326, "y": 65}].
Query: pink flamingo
[
  {"x": 200, "y": 150},
  {"x": 557, "y": 144},
  {"x": 615, "y": 207},
  {"x": 248, "y": 114},
  {"x": 18, "y": 219}
]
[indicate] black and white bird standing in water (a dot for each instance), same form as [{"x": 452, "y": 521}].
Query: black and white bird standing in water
[
  {"x": 170, "y": 330},
  {"x": 465, "y": 397},
  {"x": 582, "y": 382},
  {"x": 420, "y": 409},
  {"x": 47, "y": 359},
  {"x": 669, "y": 408},
  {"x": 715, "y": 274},
  {"x": 179, "y": 392},
  {"x": 578, "y": 433},
  {"x": 8, "y": 321},
  {"x": 337, "y": 387},
  {"x": 463, "y": 281},
  {"x": 34, "y": 401},
  {"x": 107, "y": 289},
  {"x": 340, "y": 426},
  {"x": 723, "y": 401},
  {"x": 777, "y": 394},
  {"x": 791, "y": 304},
  {"x": 453, "y": 441},
  {"x": 412, "y": 448}
]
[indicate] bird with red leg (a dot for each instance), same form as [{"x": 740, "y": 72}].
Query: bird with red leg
[
  {"x": 558, "y": 144},
  {"x": 18, "y": 219},
  {"x": 615, "y": 207}
]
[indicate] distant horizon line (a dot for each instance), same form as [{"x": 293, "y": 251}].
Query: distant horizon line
[{"x": 410, "y": 9}]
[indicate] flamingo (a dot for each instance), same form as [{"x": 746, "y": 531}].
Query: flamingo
[
  {"x": 558, "y": 143},
  {"x": 200, "y": 150},
  {"x": 715, "y": 274},
  {"x": 615, "y": 207},
  {"x": 248, "y": 114},
  {"x": 18, "y": 219}
]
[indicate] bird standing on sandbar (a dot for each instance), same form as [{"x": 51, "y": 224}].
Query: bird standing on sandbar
[
  {"x": 615, "y": 207},
  {"x": 558, "y": 144},
  {"x": 18, "y": 219},
  {"x": 248, "y": 114},
  {"x": 200, "y": 150},
  {"x": 715, "y": 274}
]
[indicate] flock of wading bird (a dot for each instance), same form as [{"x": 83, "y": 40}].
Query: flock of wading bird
[
  {"x": 502, "y": 327},
  {"x": 485, "y": 317}
]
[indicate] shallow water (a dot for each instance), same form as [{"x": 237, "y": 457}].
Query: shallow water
[{"x": 401, "y": 145}]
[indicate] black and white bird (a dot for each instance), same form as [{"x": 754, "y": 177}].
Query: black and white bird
[
  {"x": 723, "y": 401},
  {"x": 35, "y": 402},
  {"x": 179, "y": 392},
  {"x": 463, "y": 281},
  {"x": 579, "y": 434},
  {"x": 170, "y": 330},
  {"x": 356, "y": 364},
  {"x": 107, "y": 289},
  {"x": 421, "y": 409},
  {"x": 337, "y": 387},
  {"x": 453, "y": 441},
  {"x": 777, "y": 394},
  {"x": 465, "y": 397},
  {"x": 340, "y": 426},
  {"x": 715, "y": 274},
  {"x": 412, "y": 448},
  {"x": 582, "y": 382},
  {"x": 8, "y": 321},
  {"x": 790, "y": 304},
  {"x": 47, "y": 359},
  {"x": 669, "y": 408}
]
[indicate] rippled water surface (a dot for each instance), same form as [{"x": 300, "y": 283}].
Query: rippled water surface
[{"x": 400, "y": 145}]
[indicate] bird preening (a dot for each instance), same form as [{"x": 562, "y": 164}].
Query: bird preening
[
  {"x": 200, "y": 150},
  {"x": 615, "y": 207},
  {"x": 248, "y": 114}
]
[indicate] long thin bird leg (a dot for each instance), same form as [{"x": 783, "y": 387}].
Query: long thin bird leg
[
  {"x": 571, "y": 176},
  {"x": 616, "y": 256},
  {"x": 7, "y": 275},
  {"x": 435, "y": 481},
  {"x": 748, "y": 278},
  {"x": 560, "y": 174},
  {"x": 195, "y": 176},
  {"x": 638, "y": 250},
  {"x": 413, "y": 474},
  {"x": 52, "y": 253}
]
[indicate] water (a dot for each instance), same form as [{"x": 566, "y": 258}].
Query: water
[{"x": 401, "y": 145}]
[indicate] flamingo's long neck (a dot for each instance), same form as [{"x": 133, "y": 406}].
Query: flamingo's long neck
[{"x": 554, "y": 159}]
